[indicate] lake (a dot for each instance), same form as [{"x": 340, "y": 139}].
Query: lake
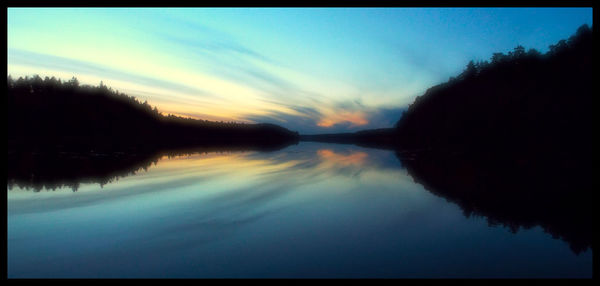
[{"x": 309, "y": 210}]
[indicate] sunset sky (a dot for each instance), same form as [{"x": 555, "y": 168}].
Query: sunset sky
[{"x": 312, "y": 70}]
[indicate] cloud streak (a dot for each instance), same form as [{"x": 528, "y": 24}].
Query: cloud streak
[
  {"x": 309, "y": 120},
  {"x": 39, "y": 60}
]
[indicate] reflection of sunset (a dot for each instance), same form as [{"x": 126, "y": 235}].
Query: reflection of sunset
[
  {"x": 210, "y": 172},
  {"x": 355, "y": 158},
  {"x": 214, "y": 162},
  {"x": 248, "y": 169}
]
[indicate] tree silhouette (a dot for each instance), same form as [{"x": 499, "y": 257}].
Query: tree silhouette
[
  {"x": 523, "y": 101},
  {"x": 45, "y": 114}
]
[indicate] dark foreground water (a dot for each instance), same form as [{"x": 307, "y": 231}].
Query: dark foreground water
[{"x": 309, "y": 210}]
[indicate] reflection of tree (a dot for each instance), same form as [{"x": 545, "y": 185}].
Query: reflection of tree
[
  {"x": 515, "y": 194},
  {"x": 50, "y": 171}
]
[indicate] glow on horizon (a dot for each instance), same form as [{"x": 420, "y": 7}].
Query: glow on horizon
[
  {"x": 354, "y": 118},
  {"x": 310, "y": 70}
]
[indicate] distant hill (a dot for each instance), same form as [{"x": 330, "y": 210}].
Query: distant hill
[
  {"x": 383, "y": 138},
  {"x": 50, "y": 114}
]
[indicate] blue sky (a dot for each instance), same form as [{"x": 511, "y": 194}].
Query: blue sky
[{"x": 313, "y": 70}]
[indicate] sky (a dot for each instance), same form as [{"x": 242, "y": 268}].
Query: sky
[{"x": 312, "y": 70}]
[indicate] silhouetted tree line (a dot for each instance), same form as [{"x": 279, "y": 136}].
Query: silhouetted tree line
[
  {"x": 47, "y": 114},
  {"x": 523, "y": 102}
]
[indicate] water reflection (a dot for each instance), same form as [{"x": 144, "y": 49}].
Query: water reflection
[
  {"x": 355, "y": 158},
  {"x": 310, "y": 210},
  {"x": 515, "y": 194},
  {"x": 56, "y": 170}
]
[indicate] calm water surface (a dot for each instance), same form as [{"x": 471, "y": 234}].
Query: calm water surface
[{"x": 309, "y": 210}]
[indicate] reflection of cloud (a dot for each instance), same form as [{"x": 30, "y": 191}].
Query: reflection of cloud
[
  {"x": 355, "y": 158},
  {"x": 268, "y": 178},
  {"x": 50, "y": 204},
  {"x": 190, "y": 200}
]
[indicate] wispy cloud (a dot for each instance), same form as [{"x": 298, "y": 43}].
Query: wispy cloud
[
  {"x": 229, "y": 59},
  {"x": 57, "y": 63},
  {"x": 345, "y": 117},
  {"x": 203, "y": 46}
]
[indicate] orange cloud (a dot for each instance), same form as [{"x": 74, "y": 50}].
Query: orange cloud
[{"x": 356, "y": 118}]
